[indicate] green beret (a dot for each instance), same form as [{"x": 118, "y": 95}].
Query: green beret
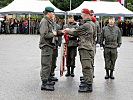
[{"x": 49, "y": 9}]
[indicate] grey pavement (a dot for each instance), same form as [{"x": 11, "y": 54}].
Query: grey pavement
[{"x": 20, "y": 73}]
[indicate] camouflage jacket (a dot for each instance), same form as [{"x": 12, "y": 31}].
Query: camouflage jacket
[
  {"x": 57, "y": 27},
  {"x": 85, "y": 34},
  {"x": 72, "y": 39},
  {"x": 98, "y": 32},
  {"x": 95, "y": 32},
  {"x": 46, "y": 34},
  {"x": 110, "y": 37}
]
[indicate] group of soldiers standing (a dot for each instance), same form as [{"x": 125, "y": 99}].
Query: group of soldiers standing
[{"x": 85, "y": 37}]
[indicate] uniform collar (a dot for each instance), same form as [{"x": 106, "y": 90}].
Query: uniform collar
[
  {"x": 86, "y": 20},
  {"x": 111, "y": 26},
  {"x": 72, "y": 23}
]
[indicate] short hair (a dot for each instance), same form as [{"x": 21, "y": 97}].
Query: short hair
[
  {"x": 91, "y": 11},
  {"x": 45, "y": 12},
  {"x": 69, "y": 16}
]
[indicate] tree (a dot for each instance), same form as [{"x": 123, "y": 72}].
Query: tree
[
  {"x": 129, "y": 4},
  {"x": 65, "y": 4},
  {"x": 4, "y": 3}
]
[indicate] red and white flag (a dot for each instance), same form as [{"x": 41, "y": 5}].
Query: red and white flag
[
  {"x": 96, "y": 0},
  {"x": 122, "y": 2}
]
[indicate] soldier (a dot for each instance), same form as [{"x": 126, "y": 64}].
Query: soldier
[
  {"x": 86, "y": 49},
  {"x": 47, "y": 46},
  {"x": 55, "y": 53},
  {"x": 96, "y": 32},
  {"x": 97, "y": 27},
  {"x": 94, "y": 36},
  {"x": 110, "y": 41},
  {"x": 71, "y": 47}
]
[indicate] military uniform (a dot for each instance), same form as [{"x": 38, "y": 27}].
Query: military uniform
[
  {"x": 71, "y": 50},
  {"x": 98, "y": 32},
  {"x": 110, "y": 40},
  {"x": 47, "y": 46},
  {"x": 55, "y": 52},
  {"x": 94, "y": 40},
  {"x": 85, "y": 34}
]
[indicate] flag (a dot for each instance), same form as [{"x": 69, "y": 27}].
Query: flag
[
  {"x": 96, "y": 0},
  {"x": 123, "y": 3},
  {"x": 63, "y": 53}
]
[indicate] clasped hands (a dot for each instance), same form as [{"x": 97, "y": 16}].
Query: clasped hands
[{"x": 65, "y": 30}]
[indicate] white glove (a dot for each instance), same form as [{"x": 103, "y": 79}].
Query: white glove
[
  {"x": 97, "y": 45},
  {"x": 118, "y": 49},
  {"x": 101, "y": 48}
]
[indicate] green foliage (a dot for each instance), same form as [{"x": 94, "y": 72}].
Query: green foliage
[
  {"x": 130, "y": 6},
  {"x": 129, "y": 1},
  {"x": 4, "y": 3},
  {"x": 65, "y": 4}
]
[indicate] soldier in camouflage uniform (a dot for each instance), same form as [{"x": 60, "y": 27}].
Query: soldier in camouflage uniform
[
  {"x": 96, "y": 33},
  {"x": 85, "y": 34},
  {"x": 97, "y": 27},
  {"x": 55, "y": 53},
  {"x": 110, "y": 41},
  {"x": 94, "y": 37},
  {"x": 47, "y": 46},
  {"x": 71, "y": 47}
]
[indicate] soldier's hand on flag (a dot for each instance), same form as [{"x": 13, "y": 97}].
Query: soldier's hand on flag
[
  {"x": 63, "y": 31},
  {"x": 101, "y": 48},
  {"x": 55, "y": 33},
  {"x": 118, "y": 49},
  {"x": 66, "y": 30}
]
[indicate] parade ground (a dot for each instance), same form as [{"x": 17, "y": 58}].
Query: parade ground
[{"x": 20, "y": 73}]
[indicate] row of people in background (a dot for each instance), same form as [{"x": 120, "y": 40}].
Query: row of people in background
[
  {"x": 125, "y": 26},
  {"x": 14, "y": 26},
  {"x": 22, "y": 26}
]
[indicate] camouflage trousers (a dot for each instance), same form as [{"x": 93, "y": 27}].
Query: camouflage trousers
[
  {"x": 71, "y": 54},
  {"x": 110, "y": 56},
  {"x": 46, "y": 62},
  {"x": 94, "y": 57},
  {"x": 86, "y": 58},
  {"x": 54, "y": 58}
]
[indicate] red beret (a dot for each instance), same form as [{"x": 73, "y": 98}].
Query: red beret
[
  {"x": 86, "y": 11},
  {"x": 93, "y": 18}
]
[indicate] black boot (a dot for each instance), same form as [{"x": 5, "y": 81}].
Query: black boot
[
  {"x": 46, "y": 86},
  {"x": 52, "y": 74},
  {"x": 111, "y": 75},
  {"x": 52, "y": 78},
  {"x": 72, "y": 72},
  {"x": 81, "y": 78},
  {"x": 85, "y": 88},
  {"x": 49, "y": 82},
  {"x": 107, "y": 74},
  {"x": 82, "y": 82},
  {"x": 68, "y": 72}
]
